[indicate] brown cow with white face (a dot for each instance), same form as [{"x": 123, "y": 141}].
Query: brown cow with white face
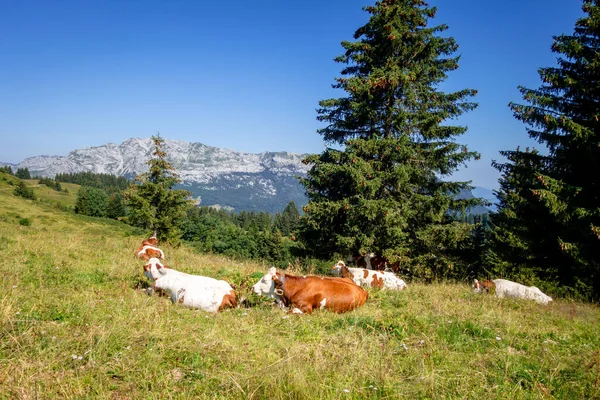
[
  {"x": 306, "y": 293},
  {"x": 149, "y": 249}
]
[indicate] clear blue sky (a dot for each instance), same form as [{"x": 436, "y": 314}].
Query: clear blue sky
[{"x": 244, "y": 75}]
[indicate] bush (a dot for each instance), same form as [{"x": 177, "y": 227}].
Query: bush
[
  {"x": 51, "y": 183},
  {"x": 22, "y": 190},
  {"x": 25, "y": 221}
]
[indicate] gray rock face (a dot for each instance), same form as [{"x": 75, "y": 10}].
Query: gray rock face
[{"x": 215, "y": 176}]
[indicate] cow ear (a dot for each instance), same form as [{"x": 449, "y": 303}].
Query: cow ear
[
  {"x": 272, "y": 271},
  {"x": 162, "y": 268},
  {"x": 147, "y": 267}
]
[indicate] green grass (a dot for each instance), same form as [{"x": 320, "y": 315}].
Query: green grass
[
  {"x": 75, "y": 323},
  {"x": 50, "y": 195}
]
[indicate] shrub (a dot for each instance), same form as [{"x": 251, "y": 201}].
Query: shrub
[
  {"x": 22, "y": 190},
  {"x": 25, "y": 221}
]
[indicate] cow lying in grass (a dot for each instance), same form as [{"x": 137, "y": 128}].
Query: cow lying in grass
[
  {"x": 375, "y": 262},
  {"x": 148, "y": 249},
  {"x": 192, "y": 291},
  {"x": 369, "y": 278},
  {"x": 506, "y": 288},
  {"x": 306, "y": 293}
]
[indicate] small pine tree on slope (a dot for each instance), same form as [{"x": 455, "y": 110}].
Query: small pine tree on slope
[
  {"x": 152, "y": 202},
  {"x": 382, "y": 191}
]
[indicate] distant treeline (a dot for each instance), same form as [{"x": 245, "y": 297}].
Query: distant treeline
[
  {"x": 22, "y": 173},
  {"x": 250, "y": 235},
  {"x": 109, "y": 183}
]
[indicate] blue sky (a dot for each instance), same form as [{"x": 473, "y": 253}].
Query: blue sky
[{"x": 244, "y": 75}]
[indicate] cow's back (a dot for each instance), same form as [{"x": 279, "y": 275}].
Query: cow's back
[
  {"x": 201, "y": 292},
  {"x": 506, "y": 288},
  {"x": 336, "y": 295}
]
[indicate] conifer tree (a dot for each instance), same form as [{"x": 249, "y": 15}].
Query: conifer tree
[
  {"x": 287, "y": 221},
  {"x": 23, "y": 190},
  {"x": 563, "y": 114},
  {"x": 382, "y": 187},
  {"x": 151, "y": 200},
  {"x": 7, "y": 169},
  {"x": 115, "y": 208},
  {"x": 23, "y": 173},
  {"x": 91, "y": 201}
]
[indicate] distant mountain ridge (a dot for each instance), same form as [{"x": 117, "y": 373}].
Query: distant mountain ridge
[{"x": 215, "y": 176}]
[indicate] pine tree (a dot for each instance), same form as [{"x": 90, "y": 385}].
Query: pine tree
[
  {"x": 563, "y": 114},
  {"x": 7, "y": 169},
  {"x": 288, "y": 220},
  {"x": 23, "y": 190},
  {"x": 151, "y": 200},
  {"x": 91, "y": 201},
  {"x": 115, "y": 208},
  {"x": 23, "y": 173},
  {"x": 382, "y": 192}
]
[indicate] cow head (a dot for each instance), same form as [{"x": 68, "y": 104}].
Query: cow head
[
  {"x": 476, "y": 286},
  {"x": 485, "y": 286},
  {"x": 154, "y": 269},
  {"x": 269, "y": 285},
  {"x": 539, "y": 296},
  {"x": 337, "y": 268}
]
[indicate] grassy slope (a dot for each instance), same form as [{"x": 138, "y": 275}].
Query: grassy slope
[
  {"x": 71, "y": 287},
  {"x": 47, "y": 194}
]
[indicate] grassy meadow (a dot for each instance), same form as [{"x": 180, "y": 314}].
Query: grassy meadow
[{"x": 76, "y": 323}]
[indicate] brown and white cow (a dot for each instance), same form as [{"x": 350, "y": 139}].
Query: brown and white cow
[
  {"x": 505, "y": 288},
  {"x": 149, "y": 249},
  {"x": 369, "y": 278},
  {"x": 375, "y": 262},
  {"x": 306, "y": 293}
]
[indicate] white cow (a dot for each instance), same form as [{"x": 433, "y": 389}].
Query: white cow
[
  {"x": 506, "y": 288},
  {"x": 193, "y": 291},
  {"x": 368, "y": 277}
]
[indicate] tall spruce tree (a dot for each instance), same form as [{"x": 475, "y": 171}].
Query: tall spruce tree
[
  {"x": 381, "y": 188},
  {"x": 151, "y": 200},
  {"x": 563, "y": 114}
]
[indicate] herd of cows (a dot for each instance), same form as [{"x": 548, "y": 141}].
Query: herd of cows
[{"x": 299, "y": 294}]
